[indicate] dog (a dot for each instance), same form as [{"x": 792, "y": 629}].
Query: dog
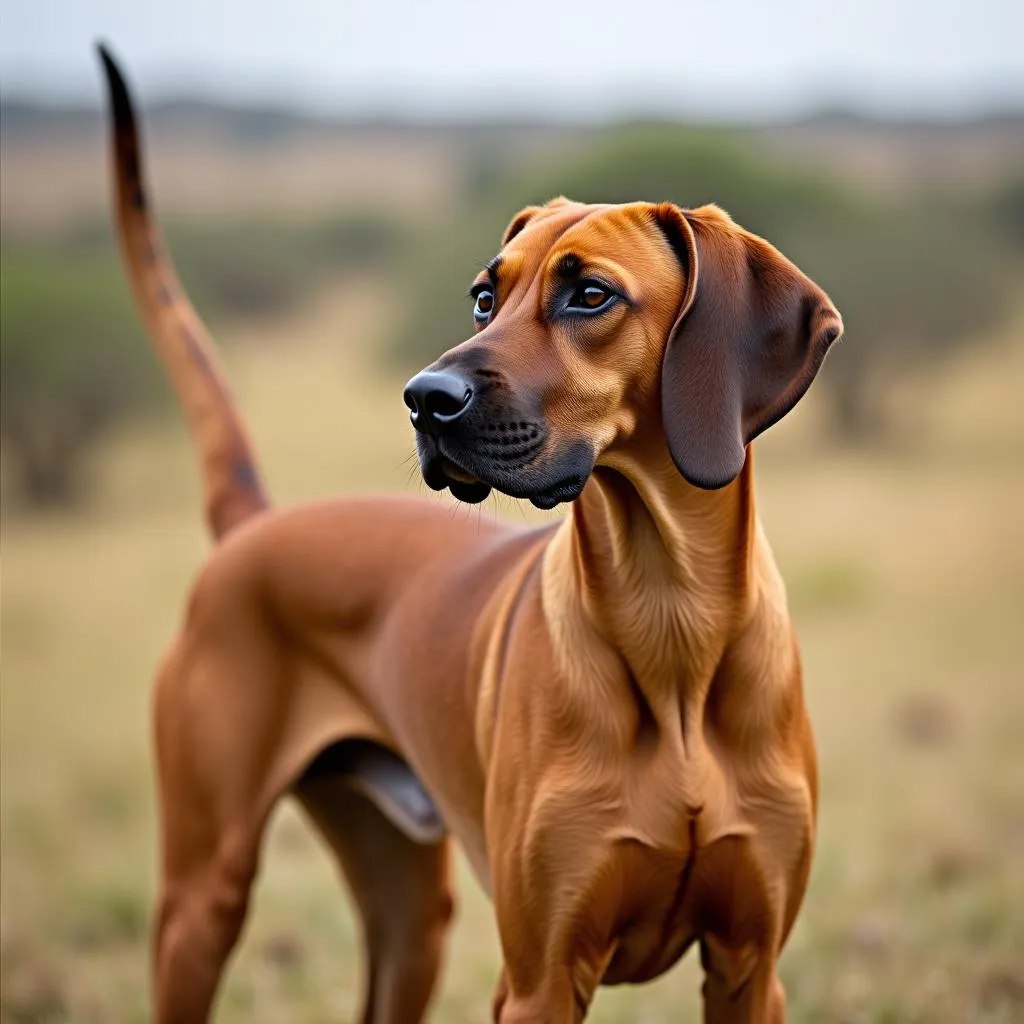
[{"x": 606, "y": 713}]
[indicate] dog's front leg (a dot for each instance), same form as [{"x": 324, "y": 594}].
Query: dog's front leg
[
  {"x": 557, "y": 894},
  {"x": 555, "y": 1002},
  {"x": 741, "y": 985},
  {"x": 557, "y": 994}
]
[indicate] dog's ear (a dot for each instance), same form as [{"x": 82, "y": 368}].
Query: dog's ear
[
  {"x": 518, "y": 222},
  {"x": 750, "y": 335},
  {"x": 524, "y": 216}
]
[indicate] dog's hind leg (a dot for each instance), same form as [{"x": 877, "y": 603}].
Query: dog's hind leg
[
  {"x": 401, "y": 888},
  {"x": 201, "y": 913},
  {"x": 218, "y": 711},
  {"x": 234, "y": 728}
]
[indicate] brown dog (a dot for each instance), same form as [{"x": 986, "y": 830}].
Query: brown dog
[{"x": 607, "y": 713}]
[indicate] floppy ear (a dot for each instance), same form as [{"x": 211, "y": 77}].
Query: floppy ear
[{"x": 749, "y": 338}]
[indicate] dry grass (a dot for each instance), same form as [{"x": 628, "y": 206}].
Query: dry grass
[{"x": 907, "y": 579}]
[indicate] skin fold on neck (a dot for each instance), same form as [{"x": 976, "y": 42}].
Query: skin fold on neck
[{"x": 658, "y": 569}]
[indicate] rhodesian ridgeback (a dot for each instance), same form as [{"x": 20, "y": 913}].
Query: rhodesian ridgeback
[{"x": 605, "y": 713}]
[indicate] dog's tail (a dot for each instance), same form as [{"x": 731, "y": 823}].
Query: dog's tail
[{"x": 231, "y": 480}]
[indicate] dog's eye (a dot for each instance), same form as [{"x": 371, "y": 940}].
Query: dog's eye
[
  {"x": 484, "y": 304},
  {"x": 591, "y": 297}
]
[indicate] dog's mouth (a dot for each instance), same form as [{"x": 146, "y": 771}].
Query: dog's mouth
[
  {"x": 460, "y": 473},
  {"x": 440, "y": 472}
]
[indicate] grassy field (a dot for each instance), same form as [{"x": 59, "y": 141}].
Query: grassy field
[{"x": 906, "y": 576}]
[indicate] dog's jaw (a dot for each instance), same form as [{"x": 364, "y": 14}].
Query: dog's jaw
[{"x": 470, "y": 476}]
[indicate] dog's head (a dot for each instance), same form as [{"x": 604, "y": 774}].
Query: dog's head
[{"x": 599, "y": 327}]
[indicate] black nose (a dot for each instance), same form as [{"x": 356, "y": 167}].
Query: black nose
[{"x": 437, "y": 400}]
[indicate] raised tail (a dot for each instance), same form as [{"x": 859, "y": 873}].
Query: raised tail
[{"x": 231, "y": 479}]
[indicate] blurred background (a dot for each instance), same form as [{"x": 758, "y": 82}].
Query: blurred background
[{"x": 330, "y": 176}]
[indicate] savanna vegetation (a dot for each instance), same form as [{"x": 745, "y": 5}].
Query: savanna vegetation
[
  {"x": 900, "y": 547},
  {"x": 907, "y": 585},
  {"x": 73, "y": 360}
]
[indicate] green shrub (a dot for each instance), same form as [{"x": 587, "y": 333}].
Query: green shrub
[
  {"x": 259, "y": 268},
  {"x": 73, "y": 356},
  {"x": 1005, "y": 208},
  {"x": 253, "y": 267},
  {"x": 72, "y": 361}
]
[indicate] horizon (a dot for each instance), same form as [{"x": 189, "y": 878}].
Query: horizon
[
  {"x": 888, "y": 60},
  {"x": 189, "y": 99}
]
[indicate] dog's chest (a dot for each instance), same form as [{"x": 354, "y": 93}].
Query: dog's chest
[
  {"x": 677, "y": 899},
  {"x": 692, "y": 861}
]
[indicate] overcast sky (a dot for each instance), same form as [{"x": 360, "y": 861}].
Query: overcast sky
[{"x": 584, "y": 58}]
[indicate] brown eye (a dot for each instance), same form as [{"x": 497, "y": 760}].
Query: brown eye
[
  {"x": 484, "y": 304},
  {"x": 591, "y": 297}
]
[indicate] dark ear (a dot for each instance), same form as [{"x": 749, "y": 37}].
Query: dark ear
[
  {"x": 749, "y": 338},
  {"x": 524, "y": 216},
  {"x": 519, "y": 221}
]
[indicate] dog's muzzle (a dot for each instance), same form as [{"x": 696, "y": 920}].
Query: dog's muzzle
[{"x": 469, "y": 443}]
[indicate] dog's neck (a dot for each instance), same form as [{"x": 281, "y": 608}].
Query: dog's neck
[{"x": 661, "y": 571}]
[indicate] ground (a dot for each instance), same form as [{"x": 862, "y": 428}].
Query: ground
[{"x": 906, "y": 577}]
